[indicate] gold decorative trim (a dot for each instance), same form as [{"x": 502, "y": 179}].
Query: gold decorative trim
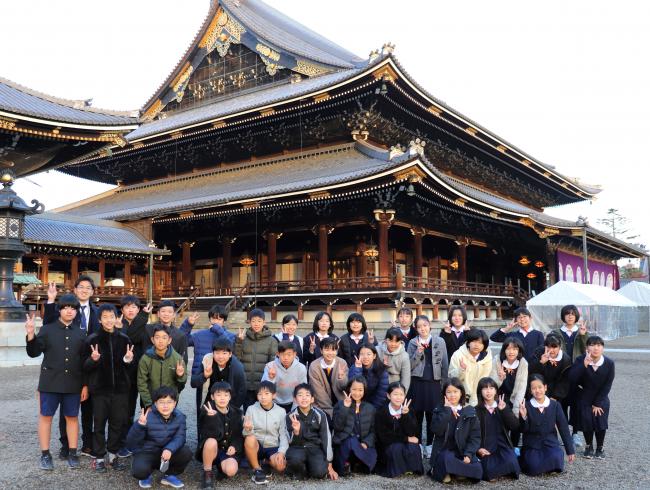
[
  {"x": 494, "y": 214},
  {"x": 6, "y": 123},
  {"x": 502, "y": 148},
  {"x": 309, "y": 69},
  {"x": 186, "y": 214},
  {"x": 460, "y": 202},
  {"x": 526, "y": 162},
  {"x": 385, "y": 73},
  {"x": 319, "y": 195},
  {"x": 175, "y": 135},
  {"x": 413, "y": 175},
  {"x": 153, "y": 111},
  {"x": 434, "y": 110},
  {"x": 268, "y": 52},
  {"x": 138, "y": 144},
  {"x": 213, "y": 29},
  {"x": 219, "y": 124},
  {"x": 321, "y": 97},
  {"x": 527, "y": 222},
  {"x": 471, "y": 131},
  {"x": 267, "y": 112},
  {"x": 251, "y": 205}
]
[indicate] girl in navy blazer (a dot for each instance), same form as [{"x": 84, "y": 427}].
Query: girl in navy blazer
[
  {"x": 540, "y": 419},
  {"x": 358, "y": 335},
  {"x": 368, "y": 365}
]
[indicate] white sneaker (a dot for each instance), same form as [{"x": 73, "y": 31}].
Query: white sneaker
[
  {"x": 577, "y": 440},
  {"x": 428, "y": 450}
]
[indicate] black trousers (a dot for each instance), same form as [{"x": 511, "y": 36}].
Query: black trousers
[
  {"x": 419, "y": 416},
  {"x": 145, "y": 462},
  {"x": 306, "y": 462},
  {"x": 131, "y": 413},
  {"x": 86, "y": 426},
  {"x": 199, "y": 404},
  {"x": 112, "y": 409}
]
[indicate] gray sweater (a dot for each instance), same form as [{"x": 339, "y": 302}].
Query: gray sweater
[
  {"x": 269, "y": 426},
  {"x": 398, "y": 364},
  {"x": 285, "y": 379},
  {"x": 439, "y": 359}
]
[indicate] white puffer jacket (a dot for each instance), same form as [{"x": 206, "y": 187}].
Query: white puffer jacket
[{"x": 474, "y": 371}]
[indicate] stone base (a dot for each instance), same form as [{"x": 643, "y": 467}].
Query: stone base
[{"x": 12, "y": 346}]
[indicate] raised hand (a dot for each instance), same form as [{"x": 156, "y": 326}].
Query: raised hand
[
  {"x": 447, "y": 327},
  {"x": 29, "y": 326},
  {"x": 386, "y": 360},
  {"x": 545, "y": 357},
  {"x": 421, "y": 346},
  {"x": 502, "y": 402},
  {"x": 582, "y": 329},
  {"x": 447, "y": 402},
  {"x": 468, "y": 325},
  {"x": 142, "y": 420},
  {"x": 405, "y": 406},
  {"x": 342, "y": 374},
  {"x": 118, "y": 322},
  {"x": 511, "y": 325},
  {"x": 180, "y": 368},
  {"x": 295, "y": 424},
  {"x": 148, "y": 309},
  {"x": 192, "y": 319},
  {"x": 128, "y": 357},
  {"x": 95, "y": 355},
  {"x": 357, "y": 362},
  {"x": 501, "y": 373},
  {"x": 312, "y": 344},
  {"x": 588, "y": 360},
  {"x": 523, "y": 413},
  {"x": 463, "y": 366},
  {"x": 241, "y": 333},
  {"x": 248, "y": 424},
  {"x": 51, "y": 292},
  {"x": 207, "y": 366},
  {"x": 371, "y": 336},
  {"x": 347, "y": 401},
  {"x": 209, "y": 411},
  {"x": 272, "y": 371}
]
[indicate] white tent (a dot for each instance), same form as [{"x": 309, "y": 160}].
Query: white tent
[
  {"x": 607, "y": 313},
  {"x": 639, "y": 292}
]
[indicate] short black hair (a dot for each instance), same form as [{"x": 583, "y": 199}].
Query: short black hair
[
  {"x": 595, "y": 340},
  {"x": 86, "y": 278},
  {"x": 484, "y": 383},
  {"x": 221, "y": 343},
  {"x": 302, "y": 386},
  {"x": 218, "y": 311},
  {"x": 70, "y": 300},
  {"x": 377, "y": 367},
  {"x": 456, "y": 383},
  {"x": 394, "y": 386},
  {"x": 457, "y": 308},
  {"x": 317, "y": 318},
  {"x": 536, "y": 377},
  {"x": 521, "y": 311},
  {"x": 358, "y": 379},
  {"x": 394, "y": 333},
  {"x": 329, "y": 342},
  {"x": 106, "y": 307},
  {"x": 164, "y": 392},
  {"x": 553, "y": 340},
  {"x": 569, "y": 309},
  {"x": 129, "y": 299},
  {"x": 286, "y": 345},
  {"x": 421, "y": 318},
  {"x": 512, "y": 340},
  {"x": 288, "y": 318},
  {"x": 406, "y": 310},
  {"x": 267, "y": 385},
  {"x": 220, "y": 386},
  {"x": 359, "y": 318},
  {"x": 477, "y": 334},
  {"x": 166, "y": 302},
  {"x": 256, "y": 313},
  {"x": 160, "y": 328}
]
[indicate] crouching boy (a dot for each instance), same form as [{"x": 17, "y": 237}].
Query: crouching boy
[
  {"x": 310, "y": 443},
  {"x": 220, "y": 439},
  {"x": 158, "y": 441},
  {"x": 265, "y": 433}
]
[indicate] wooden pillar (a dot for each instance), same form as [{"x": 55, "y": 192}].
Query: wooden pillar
[
  {"x": 360, "y": 307},
  {"x": 384, "y": 218},
  {"x": 45, "y": 268},
  {"x": 362, "y": 260},
  {"x": 499, "y": 313},
  {"x": 322, "y": 255},
  {"x": 74, "y": 269},
  {"x": 418, "y": 233},
  {"x": 226, "y": 268},
  {"x": 434, "y": 268},
  {"x": 274, "y": 313},
  {"x": 186, "y": 266},
  {"x": 419, "y": 309},
  {"x": 272, "y": 248},
  {"x": 328, "y": 309},
  {"x": 488, "y": 312},
  {"x": 127, "y": 274},
  {"x": 436, "y": 312},
  {"x": 551, "y": 262},
  {"x": 462, "y": 242},
  {"x": 301, "y": 313},
  {"x": 477, "y": 312},
  {"x": 102, "y": 273}
]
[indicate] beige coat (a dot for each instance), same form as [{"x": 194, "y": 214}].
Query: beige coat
[
  {"x": 474, "y": 372},
  {"x": 521, "y": 381},
  {"x": 320, "y": 385}
]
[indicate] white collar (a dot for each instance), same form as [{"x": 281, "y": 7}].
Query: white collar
[
  {"x": 321, "y": 336},
  {"x": 566, "y": 330},
  {"x": 425, "y": 342},
  {"x": 356, "y": 337},
  {"x": 324, "y": 365},
  {"x": 600, "y": 361},
  {"x": 525, "y": 332},
  {"x": 507, "y": 365},
  {"x": 457, "y": 408},
  {"x": 84, "y": 304},
  {"x": 406, "y": 330},
  {"x": 558, "y": 358},
  {"x": 458, "y": 330},
  {"x": 544, "y": 404},
  {"x": 394, "y": 412},
  {"x": 492, "y": 405}
]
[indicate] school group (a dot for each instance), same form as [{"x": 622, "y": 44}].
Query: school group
[{"x": 319, "y": 406}]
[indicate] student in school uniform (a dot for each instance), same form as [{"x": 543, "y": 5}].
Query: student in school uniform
[
  {"x": 532, "y": 339},
  {"x": 397, "y": 435},
  {"x": 328, "y": 377},
  {"x": 392, "y": 352},
  {"x": 404, "y": 322},
  {"x": 540, "y": 420},
  {"x": 594, "y": 374},
  {"x": 553, "y": 364},
  {"x": 322, "y": 329},
  {"x": 472, "y": 362},
  {"x": 497, "y": 420},
  {"x": 453, "y": 332},
  {"x": 357, "y": 336},
  {"x": 368, "y": 365},
  {"x": 458, "y": 437},
  {"x": 353, "y": 430},
  {"x": 288, "y": 330}
]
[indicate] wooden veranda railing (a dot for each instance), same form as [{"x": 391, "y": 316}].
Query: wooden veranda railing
[{"x": 191, "y": 298}]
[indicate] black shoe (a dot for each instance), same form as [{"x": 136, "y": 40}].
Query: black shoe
[
  {"x": 600, "y": 453},
  {"x": 73, "y": 461},
  {"x": 63, "y": 453},
  {"x": 117, "y": 464},
  {"x": 86, "y": 451},
  {"x": 589, "y": 452},
  {"x": 207, "y": 480},
  {"x": 98, "y": 466},
  {"x": 46, "y": 462},
  {"x": 259, "y": 477}
]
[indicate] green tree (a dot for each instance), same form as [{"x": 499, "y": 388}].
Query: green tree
[{"x": 615, "y": 222}]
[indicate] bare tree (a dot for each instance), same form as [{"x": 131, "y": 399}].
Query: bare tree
[{"x": 615, "y": 222}]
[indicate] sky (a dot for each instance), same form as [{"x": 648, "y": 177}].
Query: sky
[{"x": 567, "y": 82}]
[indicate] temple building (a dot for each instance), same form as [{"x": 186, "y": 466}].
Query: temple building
[{"x": 274, "y": 168}]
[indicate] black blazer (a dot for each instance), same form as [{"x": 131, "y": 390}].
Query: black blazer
[
  {"x": 467, "y": 434},
  {"x": 51, "y": 315},
  {"x": 508, "y": 419},
  {"x": 307, "y": 356},
  {"x": 344, "y": 419},
  {"x": 556, "y": 377},
  {"x": 110, "y": 374},
  {"x": 346, "y": 351},
  {"x": 452, "y": 342},
  {"x": 136, "y": 332},
  {"x": 225, "y": 428},
  {"x": 390, "y": 430},
  {"x": 62, "y": 349}
]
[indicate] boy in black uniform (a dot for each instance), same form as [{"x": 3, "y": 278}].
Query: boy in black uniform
[
  {"x": 61, "y": 379},
  {"x": 108, "y": 358}
]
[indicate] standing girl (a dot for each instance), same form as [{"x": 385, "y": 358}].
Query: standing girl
[
  {"x": 357, "y": 336},
  {"x": 353, "y": 430},
  {"x": 392, "y": 353},
  {"x": 594, "y": 374},
  {"x": 453, "y": 333},
  {"x": 541, "y": 418},
  {"x": 429, "y": 367},
  {"x": 288, "y": 332},
  {"x": 397, "y": 435},
  {"x": 322, "y": 329},
  {"x": 458, "y": 437},
  {"x": 368, "y": 365},
  {"x": 405, "y": 324},
  {"x": 497, "y": 455},
  {"x": 471, "y": 362}
]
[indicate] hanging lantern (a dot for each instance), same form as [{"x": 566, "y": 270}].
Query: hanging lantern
[
  {"x": 454, "y": 264},
  {"x": 539, "y": 264},
  {"x": 371, "y": 252},
  {"x": 524, "y": 260},
  {"x": 531, "y": 275},
  {"x": 246, "y": 260}
]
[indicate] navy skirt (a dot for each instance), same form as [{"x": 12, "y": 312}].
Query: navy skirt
[
  {"x": 591, "y": 422},
  {"x": 539, "y": 461},
  {"x": 401, "y": 458},
  {"x": 502, "y": 462},
  {"x": 352, "y": 447},
  {"x": 426, "y": 395},
  {"x": 447, "y": 463}
]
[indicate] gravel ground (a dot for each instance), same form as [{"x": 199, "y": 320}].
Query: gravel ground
[{"x": 627, "y": 444}]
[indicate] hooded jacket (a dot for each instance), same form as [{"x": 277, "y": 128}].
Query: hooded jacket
[
  {"x": 109, "y": 374},
  {"x": 521, "y": 381},
  {"x": 344, "y": 420},
  {"x": 269, "y": 426},
  {"x": 467, "y": 434},
  {"x": 236, "y": 380},
  {"x": 286, "y": 379},
  {"x": 202, "y": 340},
  {"x": 254, "y": 352},
  {"x": 159, "y": 434},
  {"x": 474, "y": 372},
  {"x": 398, "y": 365},
  {"x": 154, "y": 372}
]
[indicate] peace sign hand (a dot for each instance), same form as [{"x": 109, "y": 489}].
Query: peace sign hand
[
  {"x": 51, "y": 292},
  {"x": 312, "y": 344},
  {"x": 371, "y": 336},
  {"x": 209, "y": 411},
  {"x": 207, "y": 366},
  {"x": 386, "y": 360},
  {"x": 347, "y": 401},
  {"x": 502, "y": 403},
  {"x": 463, "y": 366},
  {"x": 29, "y": 326},
  {"x": 511, "y": 325},
  {"x": 180, "y": 368},
  {"x": 420, "y": 345},
  {"x": 192, "y": 319},
  {"x": 128, "y": 357},
  {"x": 545, "y": 357},
  {"x": 272, "y": 372},
  {"x": 405, "y": 406},
  {"x": 148, "y": 309},
  {"x": 118, "y": 322},
  {"x": 241, "y": 333},
  {"x": 95, "y": 355},
  {"x": 468, "y": 325},
  {"x": 447, "y": 327},
  {"x": 588, "y": 360},
  {"x": 295, "y": 423},
  {"x": 522, "y": 410},
  {"x": 142, "y": 420},
  {"x": 501, "y": 373},
  {"x": 582, "y": 330},
  {"x": 357, "y": 362},
  {"x": 248, "y": 424}
]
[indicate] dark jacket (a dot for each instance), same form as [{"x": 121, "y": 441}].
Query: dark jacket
[
  {"x": 136, "y": 332},
  {"x": 594, "y": 386},
  {"x": 109, "y": 374},
  {"x": 308, "y": 357},
  {"x": 314, "y": 431},
  {"x": 225, "y": 428},
  {"x": 452, "y": 342},
  {"x": 236, "y": 379},
  {"x": 377, "y": 384},
  {"x": 390, "y": 430},
  {"x": 467, "y": 434},
  {"x": 509, "y": 421},
  {"x": 539, "y": 428},
  {"x": 556, "y": 377},
  {"x": 62, "y": 349},
  {"x": 532, "y": 340},
  {"x": 346, "y": 349},
  {"x": 575, "y": 346},
  {"x": 155, "y": 371},
  {"x": 179, "y": 341},
  {"x": 254, "y": 352},
  {"x": 159, "y": 434},
  {"x": 202, "y": 341},
  {"x": 51, "y": 315},
  {"x": 344, "y": 420}
]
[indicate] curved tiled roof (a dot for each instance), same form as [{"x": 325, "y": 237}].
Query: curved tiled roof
[{"x": 16, "y": 99}]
